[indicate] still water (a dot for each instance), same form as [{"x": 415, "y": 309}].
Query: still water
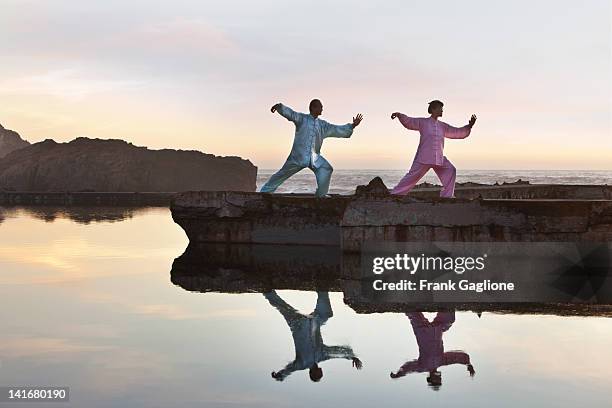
[{"x": 88, "y": 302}]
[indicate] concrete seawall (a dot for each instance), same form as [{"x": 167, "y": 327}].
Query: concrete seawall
[
  {"x": 524, "y": 192},
  {"x": 474, "y": 220},
  {"x": 552, "y": 213}
]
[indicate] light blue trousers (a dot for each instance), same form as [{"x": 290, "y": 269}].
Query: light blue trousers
[
  {"x": 322, "y": 173},
  {"x": 322, "y": 311}
]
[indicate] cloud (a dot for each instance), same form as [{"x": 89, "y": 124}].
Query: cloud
[
  {"x": 29, "y": 347},
  {"x": 66, "y": 83},
  {"x": 165, "y": 311},
  {"x": 178, "y": 35},
  {"x": 176, "y": 312},
  {"x": 65, "y": 261}
]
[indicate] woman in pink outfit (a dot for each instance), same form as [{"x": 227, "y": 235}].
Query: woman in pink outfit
[{"x": 429, "y": 154}]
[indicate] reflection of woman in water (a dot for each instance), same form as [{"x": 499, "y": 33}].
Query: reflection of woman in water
[
  {"x": 431, "y": 348},
  {"x": 306, "y": 331}
]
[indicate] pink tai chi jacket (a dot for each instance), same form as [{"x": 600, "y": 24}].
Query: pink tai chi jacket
[{"x": 433, "y": 132}]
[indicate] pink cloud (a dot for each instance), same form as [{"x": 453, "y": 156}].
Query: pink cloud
[{"x": 179, "y": 34}]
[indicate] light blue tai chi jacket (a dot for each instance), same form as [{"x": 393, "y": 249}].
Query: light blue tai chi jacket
[{"x": 309, "y": 135}]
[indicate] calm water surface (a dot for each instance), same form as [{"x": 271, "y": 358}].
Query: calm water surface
[{"x": 88, "y": 303}]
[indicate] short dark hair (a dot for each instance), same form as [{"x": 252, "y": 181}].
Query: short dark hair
[
  {"x": 433, "y": 105},
  {"x": 315, "y": 373},
  {"x": 314, "y": 101}
]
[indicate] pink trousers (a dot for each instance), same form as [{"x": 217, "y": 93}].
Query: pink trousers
[{"x": 446, "y": 173}]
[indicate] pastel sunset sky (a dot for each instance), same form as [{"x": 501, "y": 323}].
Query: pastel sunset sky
[{"x": 203, "y": 75}]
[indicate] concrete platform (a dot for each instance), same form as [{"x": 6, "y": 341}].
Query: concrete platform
[
  {"x": 523, "y": 191},
  {"x": 550, "y": 213}
]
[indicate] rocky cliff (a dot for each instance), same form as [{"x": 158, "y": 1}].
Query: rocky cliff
[
  {"x": 9, "y": 141},
  {"x": 115, "y": 165}
]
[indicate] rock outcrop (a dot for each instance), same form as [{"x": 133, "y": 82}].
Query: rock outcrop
[
  {"x": 375, "y": 188},
  {"x": 10, "y": 141},
  {"x": 115, "y": 165}
]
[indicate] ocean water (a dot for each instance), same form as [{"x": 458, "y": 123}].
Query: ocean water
[
  {"x": 88, "y": 302},
  {"x": 345, "y": 181}
]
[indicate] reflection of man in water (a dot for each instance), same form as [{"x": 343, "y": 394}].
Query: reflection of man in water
[
  {"x": 306, "y": 331},
  {"x": 431, "y": 348}
]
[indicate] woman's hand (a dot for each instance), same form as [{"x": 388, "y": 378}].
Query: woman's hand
[{"x": 472, "y": 121}]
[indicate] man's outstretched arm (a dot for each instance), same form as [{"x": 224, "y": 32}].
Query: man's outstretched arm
[
  {"x": 345, "y": 352},
  {"x": 406, "y": 121},
  {"x": 287, "y": 113},
  {"x": 342, "y": 130},
  {"x": 452, "y": 132},
  {"x": 287, "y": 371}
]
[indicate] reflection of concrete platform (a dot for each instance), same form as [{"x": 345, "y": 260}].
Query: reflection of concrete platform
[
  {"x": 257, "y": 268},
  {"x": 531, "y": 213},
  {"x": 261, "y": 268}
]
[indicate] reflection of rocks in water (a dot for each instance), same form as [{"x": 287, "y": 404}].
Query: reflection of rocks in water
[
  {"x": 262, "y": 268},
  {"x": 7, "y": 212},
  {"x": 257, "y": 268},
  {"x": 81, "y": 215}
]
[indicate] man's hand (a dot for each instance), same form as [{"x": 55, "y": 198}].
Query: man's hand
[
  {"x": 394, "y": 115},
  {"x": 276, "y": 376},
  {"x": 275, "y": 108},
  {"x": 393, "y": 375},
  {"x": 471, "y": 370},
  {"x": 472, "y": 121},
  {"x": 357, "y": 363},
  {"x": 357, "y": 120}
]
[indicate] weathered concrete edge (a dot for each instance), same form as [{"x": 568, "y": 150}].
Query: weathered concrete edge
[{"x": 157, "y": 199}]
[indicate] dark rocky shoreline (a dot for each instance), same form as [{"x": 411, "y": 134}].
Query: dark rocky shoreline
[{"x": 86, "y": 165}]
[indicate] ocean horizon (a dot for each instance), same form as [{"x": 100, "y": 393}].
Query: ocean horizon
[{"x": 344, "y": 181}]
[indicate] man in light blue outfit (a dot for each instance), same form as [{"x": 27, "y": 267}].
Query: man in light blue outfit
[
  {"x": 306, "y": 330},
  {"x": 306, "y": 151}
]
